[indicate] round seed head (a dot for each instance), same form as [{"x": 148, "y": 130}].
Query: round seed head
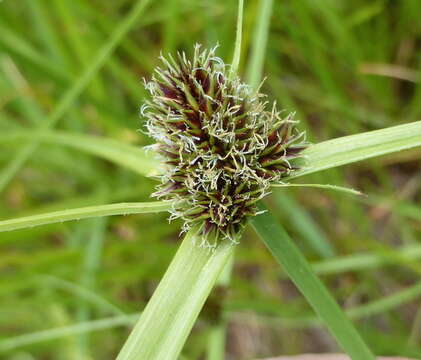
[{"x": 222, "y": 145}]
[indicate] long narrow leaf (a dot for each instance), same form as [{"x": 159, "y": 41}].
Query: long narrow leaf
[
  {"x": 255, "y": 66},
  {"x": 349, "y": 149},
  {"x": 323, "y": 186},
  {"x": 321, "y": 156},
  {"x": 303, "y": 223},
  {"x": 238, "y": 37},
  {"x": 84, "y": 213},
  {"x": 79, "y": 291},
  {"x": 122, "y": 154},
  {"x": 299, "y": 270},
  {"x": 406, "y": 255},
  {"x": 60, "y": 332},
  {"x": 169, "y": 316}
]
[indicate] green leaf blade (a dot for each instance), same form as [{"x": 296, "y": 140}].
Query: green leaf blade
[
  {"x": 298, "y": 269},
  {"x": 260, "y": 38},
  {"x": 125, "y": 155},
  {"x": 349, "y": 149},
  {"x": 83, "y": 213},
  {"x": 169, "y": 316},
  {"x": 304, "y": 224},
  {"x": 238, "y": 38},
  {"x": 322, "y": 186}
]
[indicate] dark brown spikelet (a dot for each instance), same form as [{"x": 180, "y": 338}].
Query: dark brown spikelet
[{"x": 222, "y": 148}]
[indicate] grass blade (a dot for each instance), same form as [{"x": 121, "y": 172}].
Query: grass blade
[
  {"x": 238, "y": 37},
  {"x": 169, "y": 316},
  {"x": 321, "y": 156},
  {"x": 84, "y": 213},
  {"x": 81, "y": 292},
  {"x": 74, "y": 91},
  {"x": 323, "y": 186},
  {"x": 349, "y": 149},
  {"x": 12, "y": 343},
  {"x": 255, "y": 66},
  {"x": 384, "y": 304},
  {"x": 93, "y": 249},
  {"x": 11, "y": 42},
  {"x": 125, "y": 155},
  {"x": 368, "y": 261},
  {"x": 301, "y": 273},
  {"x": 303, "y": 223}
]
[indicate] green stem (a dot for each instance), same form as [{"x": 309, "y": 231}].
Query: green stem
[{"x": 169, "y": 316}]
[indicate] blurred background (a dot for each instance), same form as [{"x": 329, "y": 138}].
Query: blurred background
[{"x": 72, "y": 290}]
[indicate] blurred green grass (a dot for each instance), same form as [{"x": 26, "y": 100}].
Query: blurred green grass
[{"x": 337, "y": 64}]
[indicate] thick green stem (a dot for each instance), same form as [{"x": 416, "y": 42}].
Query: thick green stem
[{"x": 170, "y": 314}]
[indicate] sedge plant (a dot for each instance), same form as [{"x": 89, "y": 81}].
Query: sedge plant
[{"x": 222, "y": 146}]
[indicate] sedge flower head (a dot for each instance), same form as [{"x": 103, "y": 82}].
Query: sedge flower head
[{"x": 222, "y": 144}]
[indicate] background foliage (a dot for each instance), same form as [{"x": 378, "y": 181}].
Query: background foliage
[{"x": 69, "y": 291}]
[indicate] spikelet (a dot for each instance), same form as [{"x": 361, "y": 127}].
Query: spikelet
[{"x": 221, "y": 146}]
